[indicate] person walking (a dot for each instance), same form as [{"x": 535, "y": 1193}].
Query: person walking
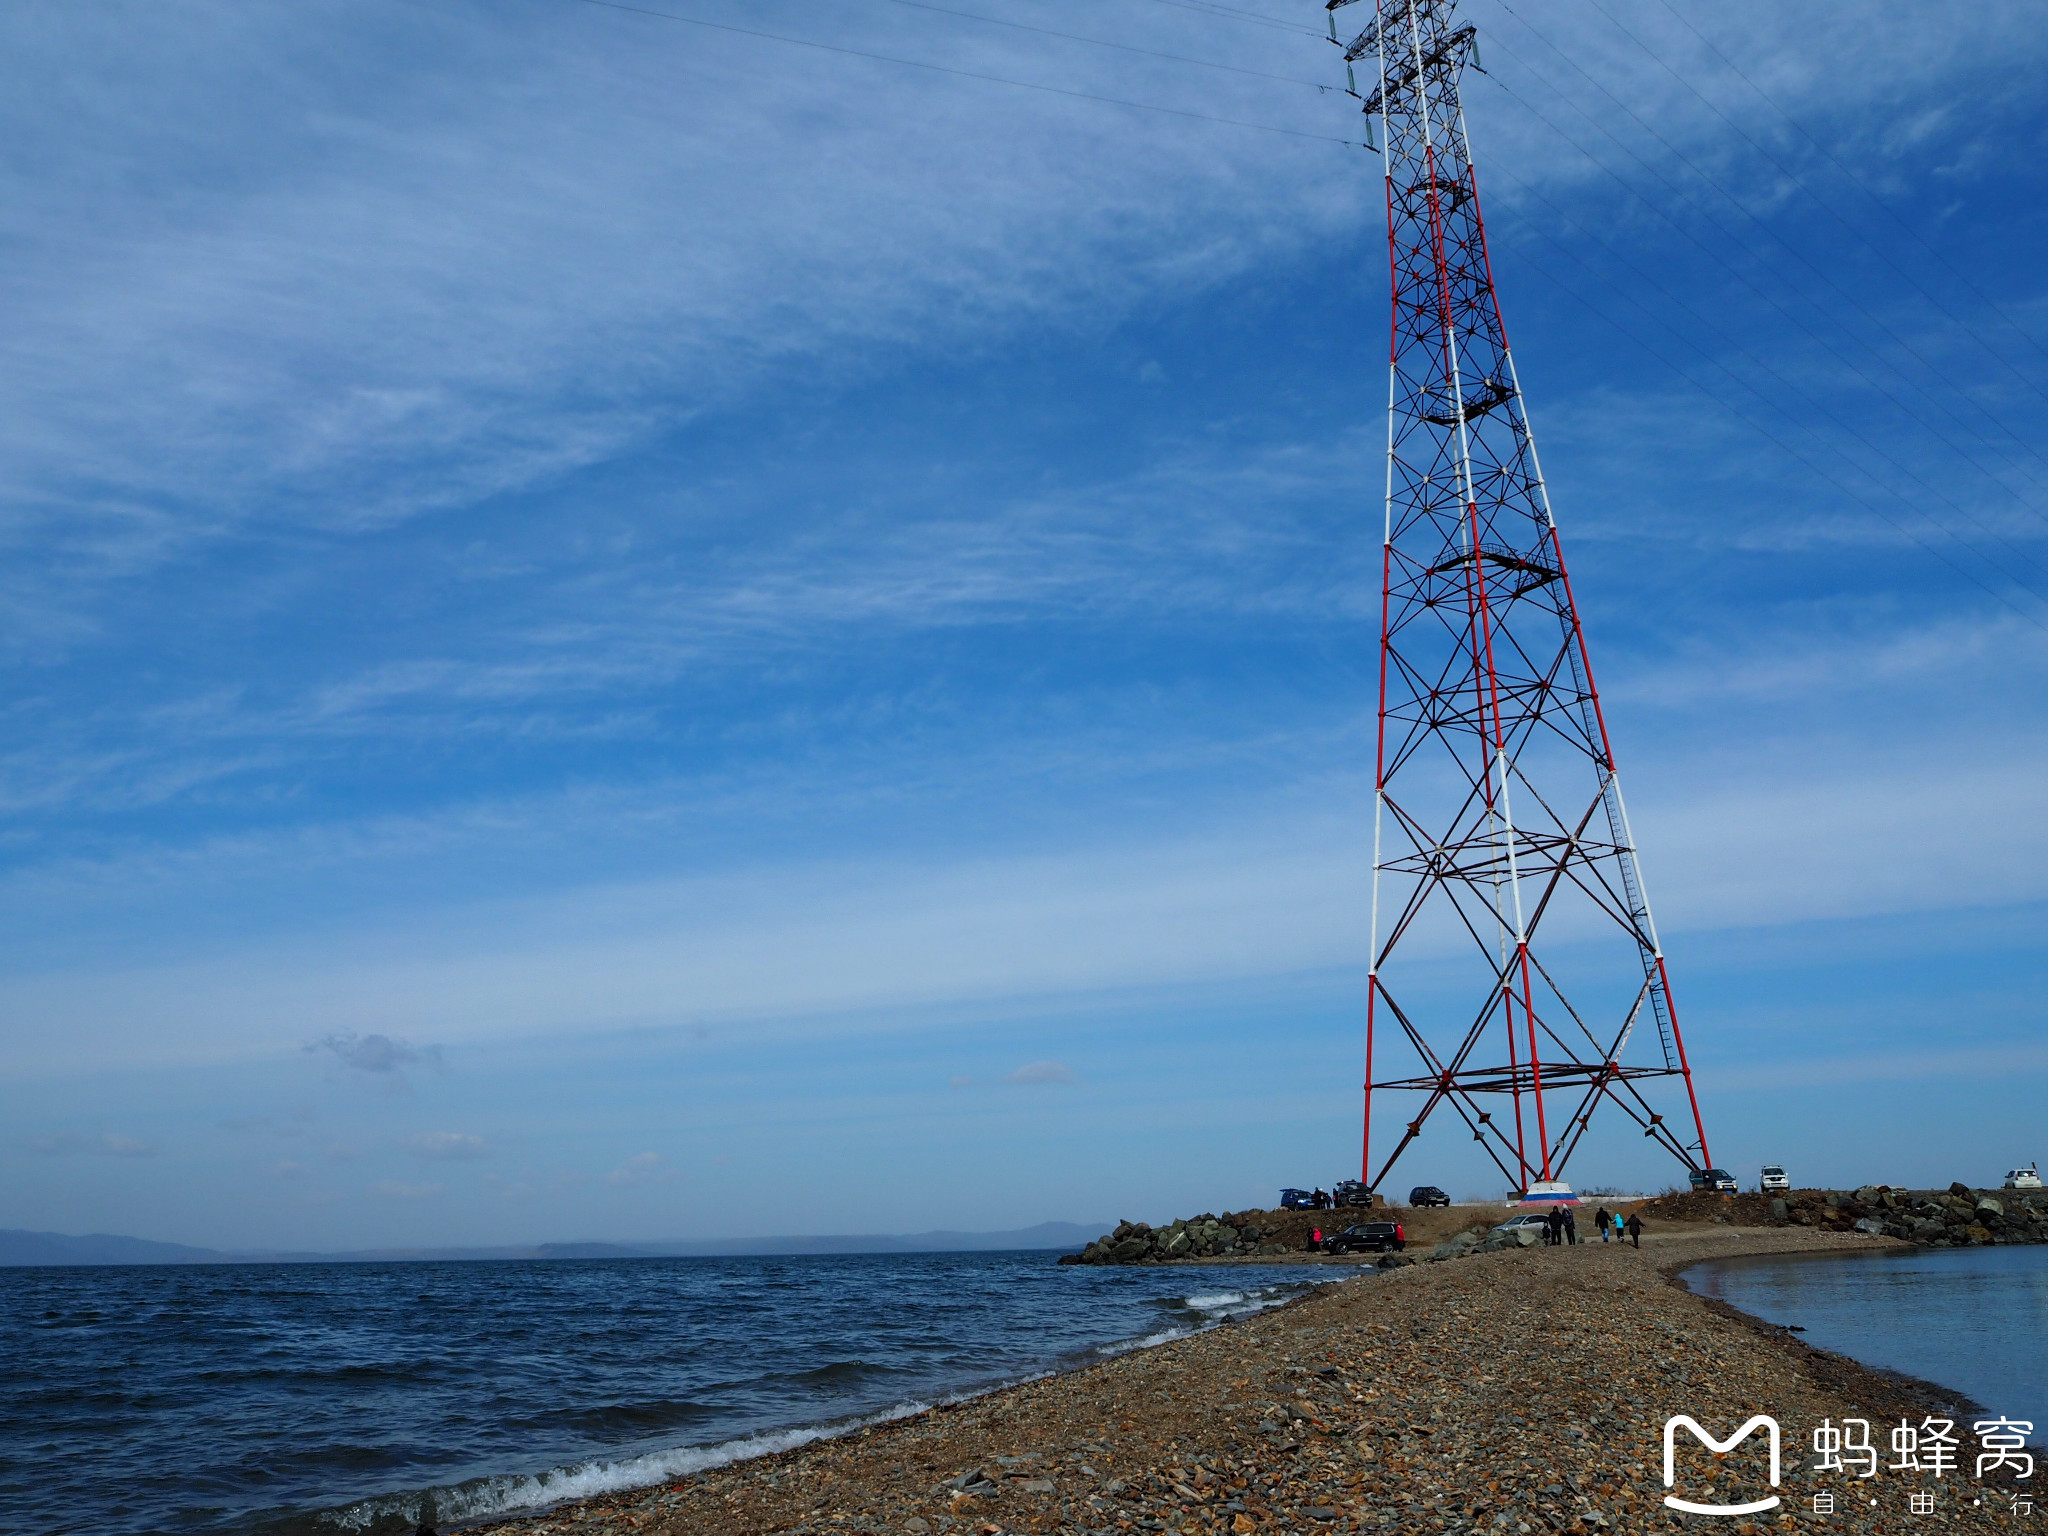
[
  {"x": 1553, "y": 1228},
  {"x": 1571, "y": 1227},
  {"x": 1635, "y": 1230},
  {"x": 1617, "y": 1226},
  {"x": 1600, "y": 1221}
]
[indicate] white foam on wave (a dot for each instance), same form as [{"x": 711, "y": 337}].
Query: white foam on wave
[
  {"x": 511, "y": 1493},
  {"x": 1224, "y": 1305},
  {"x": 1150, "y": 1341}
]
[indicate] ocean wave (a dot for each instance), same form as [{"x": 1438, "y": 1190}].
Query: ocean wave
[
  {"x": 622, "y": 1418},
  {"x": 632, "y": 1377},
  {"x": 1149, "y": 1341},
  {"x": 1213, "y": 1303},
  {"x": 837, "y": 1373},
  {"x": 1223, "y": 1305},
  {"x": 513, "y": 1493}
]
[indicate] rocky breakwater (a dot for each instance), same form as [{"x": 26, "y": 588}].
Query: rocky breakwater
[
  {"x": 1284, "y": 1236},
  {"x": 1957, "y": 1217},
  {"x": 1234, "y": 1235}
]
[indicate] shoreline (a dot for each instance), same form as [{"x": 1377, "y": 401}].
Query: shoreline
[
  {"x": 1876, "y": 1387},
  {"x": 1519, "y": 1391}
]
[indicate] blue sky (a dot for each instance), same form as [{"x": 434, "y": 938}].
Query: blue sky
[{"x": 622, "y": 630}]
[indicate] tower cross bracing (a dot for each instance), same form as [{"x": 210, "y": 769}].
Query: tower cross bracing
[{"x": 1500, "y": 836}]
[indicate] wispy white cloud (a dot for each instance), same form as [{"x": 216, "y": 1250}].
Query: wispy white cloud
[
  {"x": 1039, "y": 1074},
  {"x": 107, "y": 1144},
  {"x": 395, "y": 1189},
  {"x": 640, "y": 1168},
  {"x": 362, "y": 311},
  {"x": 447, "y": 1146},
  {"x": 379, "y": 1055},
  {"x": 1887, "y": 1066},
  {"x": 1284, "y": 895},
  {"x": 1799, "y": 659}
]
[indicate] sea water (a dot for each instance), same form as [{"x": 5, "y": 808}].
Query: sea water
[
  {"x": 1974, "y": 1320},
  {"x": 323, "y": 1399}
]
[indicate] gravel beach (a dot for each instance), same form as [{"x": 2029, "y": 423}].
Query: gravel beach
[{"x": 1510, "y": 1393}]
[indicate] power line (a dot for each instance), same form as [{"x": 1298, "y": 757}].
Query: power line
[
  {"x": 1882, "y": 361},
  {"x": 1818, "y": 340},
  {"x": 1882, "y": 206},
  {"x": 1203, "y": 8},
  {"x": 1763, "y": 430},
  {"x": 965, "y": 74},
  {"x": 1748, "y": 385},
  {"x": 1098, "y": 42},
  {"x": 1798, "y": 181}
]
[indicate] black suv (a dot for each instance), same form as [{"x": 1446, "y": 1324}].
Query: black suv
[
  {"x": 1713, "y": 1180},
  {"x": 1426, "y": 1195},
  {"x": 1373, "y": 1237},
  {"x": 1351, "y": 1192}
]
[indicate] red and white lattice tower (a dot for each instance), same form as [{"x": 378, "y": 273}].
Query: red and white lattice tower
[{"x": 1499, "y": 832}]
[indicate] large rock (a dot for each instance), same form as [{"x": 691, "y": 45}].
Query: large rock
[
  {"x": 1780, "y": 1210},
  {"x": 1986, "y": 1203},
  {"x": 1871, "y": 1225}
]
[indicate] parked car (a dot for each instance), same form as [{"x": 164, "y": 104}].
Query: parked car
[
  {"x": 2023, "y": 1178},
  {"x": 1297, "y": 1200},
  {"x": 1351, "y": 1192},
  {"x": 1426, "y": 1195},
  {"x": 1373, "y": 1237},
  {"x": 1713, "y": 1180},
  {"x": 1773, "y": 1179},
  {"x": 1526, "y": 1219}
]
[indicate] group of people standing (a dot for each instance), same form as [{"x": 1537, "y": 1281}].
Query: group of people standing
[
  {"x": 1611, "y": 1226},
  {"x": 1561, "y": 1226}
]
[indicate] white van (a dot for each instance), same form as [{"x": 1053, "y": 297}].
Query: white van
[{"x": 1772, "y": 1178}]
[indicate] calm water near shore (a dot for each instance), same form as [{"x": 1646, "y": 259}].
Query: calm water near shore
[
  {"x": 1971, "y": 1319},
  {"x": 317, "y": 1399}
]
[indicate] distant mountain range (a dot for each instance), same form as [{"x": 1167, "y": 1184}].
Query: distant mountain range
[{"x": 19, "y": 1247}]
